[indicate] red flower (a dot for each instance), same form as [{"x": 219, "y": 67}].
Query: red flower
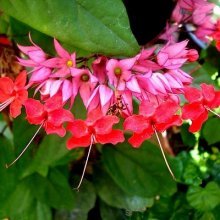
[
  {"x": 13, "y": 93},
  {"x": 51, "y": 114},
  {"x": 151, "y": 119},
  {"x": 94, "y": 131},
  {"x": 200, "y": 102}
]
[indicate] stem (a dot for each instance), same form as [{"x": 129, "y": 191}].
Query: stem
[
  {"x": 22, "y": 152},
  {"x": 161, "y": 148},
  {"x": 212, "y": 112},
  {"x": 85, "y": 165}
]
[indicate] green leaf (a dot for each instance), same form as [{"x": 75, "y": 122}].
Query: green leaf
[
  {"x": 95, "y": 26},
  {"x": 111, "y": 194},
  {"x": 18, "y": 201},
  {"x": 84, "y": 201},
  {"x": 8, "y": 177},
  {"x": 53, "y": 191},
  {"x": 139, "y": 171},
  {"x": 50, "y": 153},
  {"x": 188, "y": 138},
  {"x": 212, "y": 135},
  {"x": 204, "y": 199},
  {"x": 110, "y": 213}
]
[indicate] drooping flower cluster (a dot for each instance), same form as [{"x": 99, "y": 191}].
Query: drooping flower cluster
[{"x": 107, "y": 86}]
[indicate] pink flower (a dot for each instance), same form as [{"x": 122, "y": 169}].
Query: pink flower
[
  {"x": 52, "y": 87},
  {"x": 37, "y": 60},
  {"x": 119, "y": 72},
  {"x": 83, "y": 82},
  {"x": 35, "y": 54},
  {"x": 144, "y": 62},
  {"x": 64, "y": 63},
  {"x": 173, "y": 56}
]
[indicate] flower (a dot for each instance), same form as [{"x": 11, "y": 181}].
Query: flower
[
  {"x": 13, "y": 93},
  {"x": 200, "y": 102},
  {"x": 173, "y": 56},
  {"x": 151, "y": 119},
  {"x": 98, "y": 129},
  {"x": 64, "y": 63},
  {"x": 84, "y": 82},
  {"x": 51, "y": 114},
  {"x": 120, "y": 76}
]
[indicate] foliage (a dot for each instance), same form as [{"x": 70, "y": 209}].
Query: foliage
[{"x": 121, "y": 182}]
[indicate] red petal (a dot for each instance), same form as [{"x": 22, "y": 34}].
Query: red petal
[
  {"x": 22, "y": 95},
  {"x": 33, "y": 108},
  {"x": 215, "y": 103},
  {"x": 193, "y": 94},
  {"x": 174, "y": 120},
  {"x": 57, "y": 117},
  {"x": 75, "y": 142},
  {"x": 165, "y": 111},
  {"x": 51, "y": 129},
  {"x": 20, "y": 81},
  {"x": 137, "y": 139},
  {"x": 15, "y": 108},
  {"x": 78, "y": 128},
  {"x": 146, "y": 108},
  {"x": 114, "y": 137},
  {"x": 53, "y": 103},
  {"x": 191, "y": 111},
  {"x": 104, "y": 124},
  {"x": 208, "y": 92},
  {"x": 94, "y": 115},
  {"x": 136, "y": 123},
  {"x": 197, "y": 123},
  {"x": 6, "y": 88}
]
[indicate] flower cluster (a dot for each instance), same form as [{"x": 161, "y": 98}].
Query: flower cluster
[
  {"x": 108, "y": 87},
  {"x": 194, "y": 17}
]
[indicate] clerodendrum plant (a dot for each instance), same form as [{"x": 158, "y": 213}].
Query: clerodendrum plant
[{"x": 108, "y": 85}]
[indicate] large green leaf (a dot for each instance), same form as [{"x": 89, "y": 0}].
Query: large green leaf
[
  {"x": 96, "y": 26},
  {"x": 50, "y": 153},
  {"x": 53, "y": 191},
  {"x": 84, "y": 201},
  {"x": 204, "y": 199},
  {"x": 109, "y": 213},
  {"x": 21, "y": 204},
  {"x": 140, "y": 172},
  {"x": 111, "y": 194},
  {"x": 211, "y": 131}
]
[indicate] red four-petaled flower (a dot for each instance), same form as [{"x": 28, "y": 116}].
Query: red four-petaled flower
[
  {"x": 200, "y": 102},
  {"x": 151, "y": 119},
  {"x": 94, "y": 130},
  {"x": 13, "y": 93},
  {"x": 51, "y": 115}
]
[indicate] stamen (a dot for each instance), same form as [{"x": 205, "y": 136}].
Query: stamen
[
  {"x": 85, "y": 165},
  {"x": 212, "y": 111},
  {"x": 161, "y": 148},
  {"x": 69, "y": 63},
  {"x": 22, "y": 152},
  {"x": 6, "y": 103}
]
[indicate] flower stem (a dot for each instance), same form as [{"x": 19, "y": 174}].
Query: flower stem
[
  {"x": 213, "y": 112},
  {"x": 23, "y": 151},
  {"x": 161, "y": 148},
  {"x": 85, "y": 165}
]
